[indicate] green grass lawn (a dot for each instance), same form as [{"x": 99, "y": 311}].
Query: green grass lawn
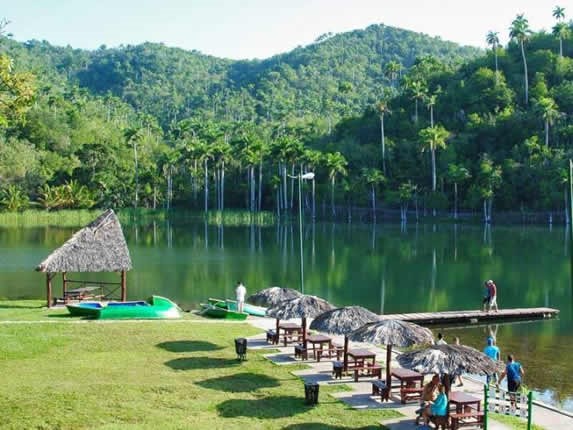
[{"x": 150, "y": 375}]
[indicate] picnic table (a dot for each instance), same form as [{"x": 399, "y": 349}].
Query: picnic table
[
  {"x": 83, "y": 293},
  {"x": 318, "y": 341},
  {"x": 411, "y": 384},
  {"x": 364, "y": 363},
  {"x": 467, "y": 410},
  {"x": 292, "y": 332}
]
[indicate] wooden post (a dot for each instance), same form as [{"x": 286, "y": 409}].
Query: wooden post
[
  {"x": 49, "y": 289},
  {"x": 304, "y": 332},
  {"x": 277, "y": 333},
  {"x": 123, "y": 286},
  {"x": 345, "y": 353},
  {"x": 64, "y": 284},
  {"x": 388, "y": 366}
]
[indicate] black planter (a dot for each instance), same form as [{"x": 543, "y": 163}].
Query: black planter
[
  {"x": 241, "y": 348},
  {"x": 311, "y": 393}
]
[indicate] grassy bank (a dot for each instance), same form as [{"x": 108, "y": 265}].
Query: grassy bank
[{"x": 150, "y": 375}]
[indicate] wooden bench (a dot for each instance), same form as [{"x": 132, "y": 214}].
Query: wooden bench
[
  {"x": 300, "y": 352},
  {"x": 440, "y": 421},
  {"x": 467, "y": 419},
  {"x": 380, "y": 387},
  {"x": 330, "y": 352},
  {"x": 367, "y": 371},
  {"x": 272, "y": 336},
  {"x": 407, "y": 394}
]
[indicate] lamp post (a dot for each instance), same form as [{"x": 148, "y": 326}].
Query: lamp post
[{"x": 300, "y": 177}]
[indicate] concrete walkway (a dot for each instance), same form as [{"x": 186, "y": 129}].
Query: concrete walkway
[{"x": 360, "y": 396}]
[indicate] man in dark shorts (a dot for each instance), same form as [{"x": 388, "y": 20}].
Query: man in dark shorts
[{"x": 514, "y": 373}]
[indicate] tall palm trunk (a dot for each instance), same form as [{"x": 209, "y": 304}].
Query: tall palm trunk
[
  {"x": 373, "y": 195},
  {"x": 259, "y": 204},
  {"x": 382, "y": 137},
  {"x": 547, "y": 132},
  {"x": 455, "y": 200},
  {"x": 332, "y": 196},
  {"x": 525, "y": 73},
  {"x": 434, "y": 182},
  {"x": 206, "y": 179}
]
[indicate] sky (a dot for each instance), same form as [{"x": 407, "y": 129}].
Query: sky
[{"x": 246, "y": 29}]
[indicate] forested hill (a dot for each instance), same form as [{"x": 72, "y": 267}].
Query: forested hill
[{"x": 336, "y": 76}]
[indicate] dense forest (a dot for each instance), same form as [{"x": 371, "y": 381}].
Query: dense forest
[{"x": 385, "y": 118}]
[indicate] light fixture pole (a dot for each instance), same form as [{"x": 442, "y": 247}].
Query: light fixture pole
[{"x": 301, "y": 176}]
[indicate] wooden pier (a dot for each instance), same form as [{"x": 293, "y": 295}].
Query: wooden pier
[{"x": 475, "y": 316}]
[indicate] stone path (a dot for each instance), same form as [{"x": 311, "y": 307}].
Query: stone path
[{"x": 360, "y": 396}]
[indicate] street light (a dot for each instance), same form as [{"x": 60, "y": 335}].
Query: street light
[{"x": 301, "y": 176}]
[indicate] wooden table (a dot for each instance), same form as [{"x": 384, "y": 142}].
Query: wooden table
[
  {"x": 289, "y": 329},
  {"x": 411, "y": 384},
  {"x": 460, "y": 400},
  {"x": 364, "y": 364},
  {"x": 320, "y": 340},
  {"x": 467, "y": 412}
]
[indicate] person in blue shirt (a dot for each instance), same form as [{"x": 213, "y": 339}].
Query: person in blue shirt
[
  {"x": 492, "y": 351},
  {"x": 437, "y": 408},
  {"x": 514, "y": 373}
]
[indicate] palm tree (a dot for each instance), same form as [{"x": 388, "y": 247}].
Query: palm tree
[
  {"x": 549, "y": 112},
  {"x": 434, "y": 138},
  {"x": 392, "y": 71},
  {"x": 336, "y": 165},
  {"x": 520, "y": 32},
  {"x": 418, "y": 89},
  {"x": 559, "y": 13},
  {"x": 382, "y": 108},
  {"x": 562, "y": 31},
  {"x": 373, "y": 177},
  {"x": 488, "y": 180},
  {"x": 457, "y": 174},
  {"x": 492, "y": 39},
  {"x": 430, "y": 103},
  {"x": 133, "y": 136}
]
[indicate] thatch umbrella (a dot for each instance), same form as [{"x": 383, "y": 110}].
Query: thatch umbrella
[
  {"x": 342, "y": 321},
  {"x": 305, "y": 306},
  {"x": 269, "y": 297},
  {"x": 392, "y": 332},
  {"x": 449, "y": 360}
]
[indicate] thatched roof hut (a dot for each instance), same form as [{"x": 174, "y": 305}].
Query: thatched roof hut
[
  {"x": 98, "y": 247},
  {"x": 343, "y": 320},
  {"x": 271, "y": 296}
]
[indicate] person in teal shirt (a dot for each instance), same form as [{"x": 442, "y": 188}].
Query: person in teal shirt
[
  {"x": 438, "y": 407},
  {"x": 492, "y": 351}
]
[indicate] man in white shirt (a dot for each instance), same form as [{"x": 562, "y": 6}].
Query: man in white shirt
[{"x": 240, "y": 292}]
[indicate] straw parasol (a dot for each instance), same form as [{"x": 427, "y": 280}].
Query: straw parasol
[
  {"x": 450, "y": 360},
  {"x": 342, "y": 321},
  {"x": 269, "y": 297},
  {"x": 392, "y": 332},
  {"x": 305, "y": 306}
]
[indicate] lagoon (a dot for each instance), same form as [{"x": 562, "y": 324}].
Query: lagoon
[{"x": 387, "y": 268}]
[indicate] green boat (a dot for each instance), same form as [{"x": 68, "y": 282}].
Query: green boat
[
  {"x": 214, "y": 311},
  {"x": 155, "y": 307},
  {"x": 257, "y": 311}
]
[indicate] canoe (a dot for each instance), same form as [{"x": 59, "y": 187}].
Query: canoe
[
  {"x": 218, "y": 312},
  {"x": 257, "y": 311},
  {"x": 155, "y": 307}
]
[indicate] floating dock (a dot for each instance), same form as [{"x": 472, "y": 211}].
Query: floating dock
[{"x": 475, "y": 316}]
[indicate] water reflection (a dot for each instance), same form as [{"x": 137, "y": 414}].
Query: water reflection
[{"x": 388, "y": 268}]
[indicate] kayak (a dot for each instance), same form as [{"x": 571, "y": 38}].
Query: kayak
[
  {"x": 155, "y": 307},
  {"x": 257, "y": 311},
  {"x": 213, "y": 311}
]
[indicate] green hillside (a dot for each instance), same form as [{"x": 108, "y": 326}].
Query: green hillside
[{"x": 386, "y": 118}]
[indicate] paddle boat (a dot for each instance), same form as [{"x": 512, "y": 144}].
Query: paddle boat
[
  {"x": 155, "y": 307},
  {"x": 210, "y": 310},
  {"x": 232, "y": 305}
]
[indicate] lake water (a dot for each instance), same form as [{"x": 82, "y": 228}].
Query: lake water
[{"x": 386, "y": 268}]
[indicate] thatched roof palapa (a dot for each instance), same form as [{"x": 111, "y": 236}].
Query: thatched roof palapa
[
  {"x": 98, "y": 247},
  {"x": 305, "y": 306},
  {"x": 393, "y": 332},
  {"x": 450, "y": 359},
  {"x": 343, "y": 320},
  {"x": 269, "y": 297}
]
